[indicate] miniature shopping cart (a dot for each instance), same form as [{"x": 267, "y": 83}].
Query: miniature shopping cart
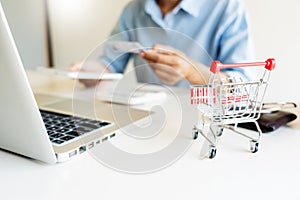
[{"x": 226, "y": 102}]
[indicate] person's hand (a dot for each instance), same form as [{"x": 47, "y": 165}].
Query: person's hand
[
  {"x": 171, "y": 65},
  {"x": 89, "y": 66}
]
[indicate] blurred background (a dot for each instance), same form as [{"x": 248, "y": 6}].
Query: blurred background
[{"x": 76, "y": 27}]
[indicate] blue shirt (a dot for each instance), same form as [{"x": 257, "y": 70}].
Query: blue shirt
[{"x": 205, "y": 30}]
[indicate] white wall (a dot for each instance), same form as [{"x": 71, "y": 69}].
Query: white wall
[
  {"x": 26, "y": 20},
  {"x": 78, "y": 26},
  {"x": 276, "y": 30}
]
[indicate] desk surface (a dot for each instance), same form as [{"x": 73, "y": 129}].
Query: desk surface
[{"x": 272, "y": 173}]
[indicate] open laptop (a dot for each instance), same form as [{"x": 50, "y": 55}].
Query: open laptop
[{"x": 48, "y": 131}]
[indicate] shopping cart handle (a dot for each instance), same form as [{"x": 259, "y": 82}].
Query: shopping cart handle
[{"x": 216, "y": 65}]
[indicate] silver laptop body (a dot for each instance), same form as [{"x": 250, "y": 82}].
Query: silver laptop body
[{"x": 22, "y": 129}]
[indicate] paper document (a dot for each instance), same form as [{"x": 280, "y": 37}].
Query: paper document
[
  {"x": 81, "y": 75},
  {"x": 135, "y": 98}
]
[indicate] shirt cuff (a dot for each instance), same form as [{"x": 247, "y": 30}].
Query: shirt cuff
[{"x": 107, "y": 63}]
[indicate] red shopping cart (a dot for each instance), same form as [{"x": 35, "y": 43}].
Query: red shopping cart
[{"x": 226, "y": 102}]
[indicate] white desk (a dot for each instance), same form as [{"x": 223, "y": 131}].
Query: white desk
[{"x": 272, "y": 173}]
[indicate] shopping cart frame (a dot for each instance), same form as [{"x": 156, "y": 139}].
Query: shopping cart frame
[{"x": 226, "y": 102}]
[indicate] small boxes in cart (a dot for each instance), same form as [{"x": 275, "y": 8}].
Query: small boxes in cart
[{"x": 226, "y": 101}]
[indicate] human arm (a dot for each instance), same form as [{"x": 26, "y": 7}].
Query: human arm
[
  {"x": 172, "y": 65},
  {"x": 91, "y": 66},
  {"x": 235, "y": 39}
]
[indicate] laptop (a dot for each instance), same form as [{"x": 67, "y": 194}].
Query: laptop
[{"x": 43, "y": 127}]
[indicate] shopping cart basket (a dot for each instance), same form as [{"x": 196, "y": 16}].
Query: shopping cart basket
[{"x": 226, "y": 102}]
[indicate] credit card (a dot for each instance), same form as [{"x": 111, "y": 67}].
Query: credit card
[{"x": 126, "y": 46}]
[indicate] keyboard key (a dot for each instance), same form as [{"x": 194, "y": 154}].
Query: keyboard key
[
  {"x": 67, "y": 138},
  {"x": 57, "y": 135},
  {"x": 74, "y": 133},
  {"x": 83, "y": 129},
  {"x": 48, "y": 126},
  {"x": 70, "y": 126},
  {"x": 51, "y": 123},
  {"x": 88, "y": 125},
  {"x": 67, "y": 120},
  {"x": 50, "y": 132},
  {"x": 88, "y": 120},
  {"x": 92, "y": 121},
  {"x": 53, "y": 128},
  {"x": 104, "y": 123},
  {"x": 61, "y": 124},
  {"x": 63, "y": 130},
  {"x": 77, "y": 119},
  {"x": 58, "y": 141}
]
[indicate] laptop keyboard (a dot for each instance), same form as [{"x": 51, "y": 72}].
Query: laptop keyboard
[{"x": 63, "y": 128}]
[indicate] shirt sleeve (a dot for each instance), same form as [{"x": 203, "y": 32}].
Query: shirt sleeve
[
  {"x": 236, "y": 44},
  {"x": 116, "y": 61}
]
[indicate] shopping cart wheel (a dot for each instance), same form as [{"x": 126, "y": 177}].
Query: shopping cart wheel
[
  {"x": 195, "y": 136},
  {"x": 212, "y": 152},
  {"x": 253, "y": 146},
  {"x": 219, "y": 132}
]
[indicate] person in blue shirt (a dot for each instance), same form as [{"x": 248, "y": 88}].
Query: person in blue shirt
[{"x": 182, "y": 38}]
